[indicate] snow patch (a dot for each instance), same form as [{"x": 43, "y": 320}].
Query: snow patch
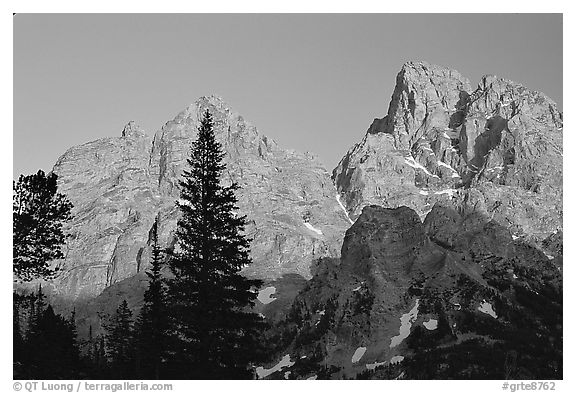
[
  {"x": 450, "y": 192},
  {"x": 309, "y": 226},
  {"x": 396, "y": 359},
  {"x": 548, "y": 255},
  {"x": 358, "y": 354},
  {"x": 343, "y": 208},
  {"x": 494, "y": 168},
  {"x": 287, "y": 374},
  {"x": 411, "y": 162},
  {"x": 406, "y": 321},
  {"x": 454, "y": 171},
  {"x": 312, "y": 378},
  {"x": 284, "y": 362},
  {"x": 486, "y": 308},
  {"x": 372, "y": 366},
  {"x": 422, "y": 192},
  {"x": 432, "y": 324},
  {"x": 442, "y": 163},
  {"x": 264, "y": 295},
  {"x": 424, "y": 214}
]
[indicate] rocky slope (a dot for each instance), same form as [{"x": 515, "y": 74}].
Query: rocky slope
[
  {"x": 453, "y": 297},
  {"x": 441, "y": 138},
  {"x": 452, "y": 268},
  {"x": 119, "y": 186}
]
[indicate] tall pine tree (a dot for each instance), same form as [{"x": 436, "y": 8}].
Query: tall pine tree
[
  {"x": 51, "y": 350},
  {"x": 214, "y": 333},
  {"x": 152, "y": 323},
  {"x": 38, "y": 212},
  {"x": 119, "y": 342}
]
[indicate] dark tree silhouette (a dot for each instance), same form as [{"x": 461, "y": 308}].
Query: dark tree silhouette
[
  {"x": 38, "y": 212},
  {"x": 152, "y": 323},
  {"x": 119, "y": 342},
  {"x": 214, "y": 333},
  {"x": 49, "y": 349}
]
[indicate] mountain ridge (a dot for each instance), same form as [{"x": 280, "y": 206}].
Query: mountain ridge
[
  {"x": 444, "y": 222},
  {"x": 139, "y": 173}
]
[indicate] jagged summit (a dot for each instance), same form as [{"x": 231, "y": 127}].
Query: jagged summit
[
  {"x": 131, "y": 129},
  {"x": 120, "y": 185},
  {"x": 499, "y": 145},
  {"x": 212, "y": 102},
  {"x": 441, "y": 138}
]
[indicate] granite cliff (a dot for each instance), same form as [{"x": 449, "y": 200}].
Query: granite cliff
[
  {"x": 499, "y": 144},
  {"x": 455, "y": 296},
  {"x": 439, "y": 233},
  {"x": 119, "y": 186},
  {"x": 453, "y": 267}
]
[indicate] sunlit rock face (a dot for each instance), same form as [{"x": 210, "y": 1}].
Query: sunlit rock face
[
  {"x": 499, "y": 144},
  {"x": 454, "y": 192},
  {"x": 120, "y": 186}
]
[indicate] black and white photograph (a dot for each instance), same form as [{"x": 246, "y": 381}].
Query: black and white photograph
[{"x": 287, "y": 196}]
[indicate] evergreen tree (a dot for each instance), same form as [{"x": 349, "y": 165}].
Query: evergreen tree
[
  {"x": 51, "y": 348},
  {"x": 99, "y": 362},
  {"x": 38, "y": 212},
  {"x": 119, "y": 342},
  {"x": 18, "y": 347},
  {"x": 215, "y": 334},
  {"x": 152, "y": 324},
  {"x": 37, "y": 308}
]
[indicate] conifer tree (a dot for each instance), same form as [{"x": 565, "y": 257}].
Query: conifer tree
[
  {"x": 152, "y": 323},
  {"x": 18, "y": 346},
  {"x": 52, "y": 351},
  {"x": 119, "y": 341},
  {"x": 38, "y": 212},
  {"x": 215, "y": 334}
]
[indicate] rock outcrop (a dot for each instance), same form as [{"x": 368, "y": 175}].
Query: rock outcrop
[
  {"x": 457, "y": 243},
  {"x": 408, "y": 297},
  {"x": 119, "y": 186},
  {"x": 499, "y": 145}
]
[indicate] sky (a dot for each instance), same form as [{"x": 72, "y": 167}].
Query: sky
[{"x": 312, "y": 82}]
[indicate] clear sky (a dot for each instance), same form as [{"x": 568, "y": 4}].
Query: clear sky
[{"x": 310, "y": 81}]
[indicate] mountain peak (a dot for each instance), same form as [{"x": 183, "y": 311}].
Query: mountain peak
[
  {"x": 212, "y": 99},
  {"x": 131, "y": 129}
]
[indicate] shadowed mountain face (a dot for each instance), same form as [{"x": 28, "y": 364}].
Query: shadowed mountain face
[
  {"x": 453, "y": 297},
  {"x": 119, "y": 186},
  {"x": 452, "y": 268}
]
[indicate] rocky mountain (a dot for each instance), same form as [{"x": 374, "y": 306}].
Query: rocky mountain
[
  {"x": 119, "y": 186},
  {"x": 452, "y": 268},
  {"x": 441, "y": 139},
  {"x": 433, "y": 251},
  {"x": 454, "y": 296}
]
